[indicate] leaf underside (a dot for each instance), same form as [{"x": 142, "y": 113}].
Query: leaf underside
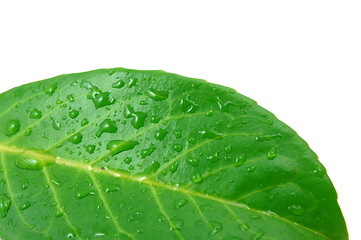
[{"x": 128, "y": 154}]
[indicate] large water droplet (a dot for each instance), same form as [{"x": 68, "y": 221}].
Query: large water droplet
[
  {"x": 107, "y": 126},
  {"x": 5, "y": 203},
  {"x": 99, "y": 98},
  {"x": 188, "y": 106},
  {"x": 29, "y": 163},
  {"x": 51, "y": 89},
  {"x": 76, "y": 138},
  {"x": 138, "y": 118},
  {"x": 118, "y": 84},
  {"x": 35, "y": 114},
  {"x": 268, "y": 137},
  {"x": 12, "y": 127},
  {"x": 157, "y": 95},
  {"x": 73, "y": 114},
  {"x": 118, "y": 146},
  {"x": 90, "y": 149}
]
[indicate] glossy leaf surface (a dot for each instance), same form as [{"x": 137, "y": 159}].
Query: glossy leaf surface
[{"x": 127, "y": 154}]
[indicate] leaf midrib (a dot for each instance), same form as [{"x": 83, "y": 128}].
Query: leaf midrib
[{"x": 141, "y": 180}]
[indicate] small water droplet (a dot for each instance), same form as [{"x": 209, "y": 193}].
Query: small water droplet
[
  {"x": 157, "y": 95},
  {"x": 272, "y": 154},
  {"x": 196, "y": 178},
  {"x": 83, "y": 194},
  {"x": 128, "y": 160},
  {"x": 193, "y": 162},
  {"x": 112, "y": 188},
  {"x": 107, "y": 126},
  {"x": 296, "y": 210},
  {"x": 178, "y": 224},
  {"x": 35, "y": 114},
  {"x": 180, "y": 203},
  {"x": 177, "y": 147},
  {"x": 210, "y": 134},
  {"x": 243, "y": 226},
  {"x": 177, "y": 133},
  {"x": 251, "y": 169},
  {"x": 188, "y": 106},
  {"x": 319, "y": 171},
  {"x": 117, "y": 146},
  {"x": 160, "y": 134},
  {"x": 133, "y": 82},
  {"x": 28, "y": 132},
  {"x": 268, "y": 137},
  {"x": 84, "y": 122},
  {"x": 174, "y": 167},
  {"x": 71, "y": 98},
  {"x": 25, "y": 205},
  {"x": 25, "y": 184},
  {"x": 12, "y": 127},
  {"x": 5, "y": 203},
  {"x": 216, "y": 227}
]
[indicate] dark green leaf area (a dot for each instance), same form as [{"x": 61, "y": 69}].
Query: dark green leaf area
[{"x": 119, "y": 154}]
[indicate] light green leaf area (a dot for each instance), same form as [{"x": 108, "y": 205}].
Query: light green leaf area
[{"x": 125, "y": 154}]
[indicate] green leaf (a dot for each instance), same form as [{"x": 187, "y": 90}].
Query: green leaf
[{"x": 127, "y": 154}]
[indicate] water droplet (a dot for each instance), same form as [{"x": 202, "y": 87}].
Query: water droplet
[
  {"x": 76, "y": 138},
  {"x": 28, "y": 132},
  {"x": 210, "y": 134},
  {"x": 224, "y": 107},
  {"x": 188, "y": 106},
  {"x": 196, "y": 178},
  {"x": 174, "y": 167},
  {"x": 157, "y": 95},
  {"x": 118, "y": 84},
  {"x": 243, "y": 226},
  {"x": 160, "y": 134},
  {"x": 268, "y": 137},
  {"x": 31, "y": 163},
  {"x": 73, "y": 114},
  {"x": 56, "y": 125},
  {"x": 71, "y": 98},
  {"x": 177, "y": 133},
  {"x": 99, "y": 98},
  {"x": 148, "y": 151},
  {"x": 5, "y": 203},
  {"x": 193, "y": 162},
  {"x": 84, "y": 122},
  {"x": 12, "y": 127},
  {"x": 83, "y": 194},
  {"x": 132, "y": 82},
  {"x": 59, "y": 213},
  {"x": 118, "y": 146},
  {"x": 272, "y": 154},
  {"x": 25, "y": 184},
  {"x": 320, "y": 171},
  {"x": 107, "y": 126},
  {"x": 240, "y": 160},
  {"x": 154, "y": 119},
  {"x": 214, "y": 158},
  {"x": 251, "y": 169},
  {"x": 35, "y": 114},
  {"x": 180, "y": 203},
  {"x": 112, "y": 188},
  {"x": 25, "y": 205},
  {"x": 152, "y": 168},
  {"x": 177, "y": 147},
  {"x": 210, "y": 113},
  {"x": 228, "y": 149},
  {"x": 128, "y": 160},
  {"x": 138, "y": 118},
  {"x": 178, "y": 224},
  {"x": 90, "y": 149},
  {"x": 216, "y": 227},
  {"x": 296, "y": 210},
  {"x": 51, "y": 89}
]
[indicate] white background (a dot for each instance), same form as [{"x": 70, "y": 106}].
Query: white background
[{"x": 299, "y": 59}]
